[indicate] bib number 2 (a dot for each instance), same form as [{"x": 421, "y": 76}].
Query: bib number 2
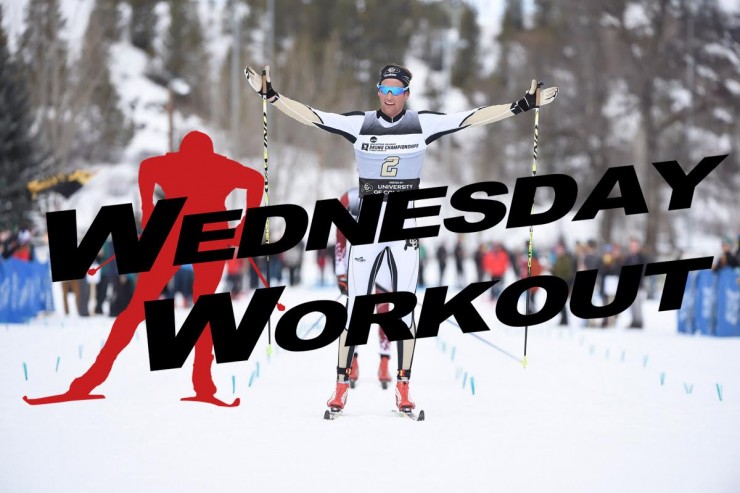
[{"x": 389, "y": 166}]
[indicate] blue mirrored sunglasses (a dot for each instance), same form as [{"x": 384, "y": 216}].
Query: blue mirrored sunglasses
[{"x": 396, "y": 91}]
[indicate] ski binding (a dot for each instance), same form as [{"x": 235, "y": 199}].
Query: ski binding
[
  {"x": 409, "y": 413},
  {"x": 332, "y": 413}
]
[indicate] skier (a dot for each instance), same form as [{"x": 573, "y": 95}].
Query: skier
[
  {"x": 636, "y": 256},
  {"x": 351, "y": 200},
  {"x": 390, "y": 144},
  {"x": 442, "y": 262},
  {"x": 459, "y": 254},
  {"x": 206, "y": 179}
]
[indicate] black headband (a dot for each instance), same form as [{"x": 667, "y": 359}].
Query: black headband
[{"x": 395, "y": 72}]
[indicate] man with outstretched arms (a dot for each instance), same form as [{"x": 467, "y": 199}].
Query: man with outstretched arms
[
  {"x": 389, "y": 145},
  {"x": 351, "y": 201}
]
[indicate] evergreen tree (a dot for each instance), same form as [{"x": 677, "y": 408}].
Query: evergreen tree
[
  {"x": 143, "y": 24},
  {"x": 368, "y": 36},
  {"x": 102, "y": 129},
  {"x": 467, "y": 67},
  {"x": 18, "y": 159},
  {"x": 184, "y": 52},
  {"x": 105, "y": 14},
  {"x": 43, "y": 54},
  {"x": 513, "y": 17}
]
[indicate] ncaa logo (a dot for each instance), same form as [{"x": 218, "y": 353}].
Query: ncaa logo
[{"x": 373, "y": 140}]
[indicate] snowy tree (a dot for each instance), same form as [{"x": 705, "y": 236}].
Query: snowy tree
[
  {"x": 467, "y": 66},
  {"x": 629, "y": 95},
  {"x": 184, "y": 52},
  {"x": 651, "y": 37},
  {"x": 19, "y": 159},
  {"x": 102, "y": 130},
  {"x": 43, "y": 54},
  {"x": 142, "y": 27}
]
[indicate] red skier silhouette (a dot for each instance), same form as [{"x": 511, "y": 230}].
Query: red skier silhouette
[{"x": 206, "y": 179}]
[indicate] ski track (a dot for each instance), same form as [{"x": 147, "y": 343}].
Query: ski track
[{"x": 589, "y": 413}]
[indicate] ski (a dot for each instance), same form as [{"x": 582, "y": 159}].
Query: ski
[
  {"x": 212, "y": 400},
  {"x": 334, "y": 413},
  {"x": 66, "y": 397},
  {"x": 331, "y": 414},
  {"x": 409, "y": 413}
]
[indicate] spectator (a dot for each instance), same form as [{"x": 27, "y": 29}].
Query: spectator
[
  {"x": 726, "y": 258},
  {"x": 564, "y": 268},
  {"x": 459, "y": 254},
  {"x": 636, "y": 256},
  {"x": 524, "y": 272},
  {"x": 480, "y": 272},
  {"x": 293, "y": 260},
  {"x": 72, "y": 286},
  {"x": 441, "y": 262},
  {"x": 496, "y": 263},
  {"x": 422, "y": 264},
  {"x": 276, "y": 269},
  {"x": 123, "y": 292},
  {"x": 108, "y": 277},
  {"x": 254, "y": 280},
  {"x": 321, "y": 258},
  {"x": 591, "y": 260},
  {"x": 184, "y": 280},
  {"x": 22, "y": 248},
  {"x": 5, "y": 236},
  {"x": 234, "y": 276},
  {"x": 83, "y": 305},
  {"x": 611, "y": 265}
]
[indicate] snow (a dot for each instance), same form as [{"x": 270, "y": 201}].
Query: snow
[
  {"x": 488, "y": 45},
  {"x": 719, "y": 50},
  {"x": 595, "y": 410},
  {"x": 635, "y": 17},
  {"x": 75, "y": 12},
  {"x": 621, "y": 107},
  {"x": 144, "y": 102},
  {"x": 681, "y": 98},
  {"x": 489, "y": 15},
  {"x": 723, "y": 115},
  {"x": 733, "y": 86},
  {"x": 13, "y": 21},
  {"x": 589, "y": 413},
  {"x": 707, "y": 72}
]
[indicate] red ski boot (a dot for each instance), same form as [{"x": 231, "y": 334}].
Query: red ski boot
[
  {"x": 354, "y": 372},
  {"x": 339, "y": 397},
  {"x": 403, "y": 401},
  {"x": 383, "y": 375}
]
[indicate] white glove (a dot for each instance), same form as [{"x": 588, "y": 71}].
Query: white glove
[
  {"x": 534, "y": 98},
  {"x": 261, "y": 87}
]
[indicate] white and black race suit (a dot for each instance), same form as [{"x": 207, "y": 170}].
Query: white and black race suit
[{"x": 390, "y": 156}]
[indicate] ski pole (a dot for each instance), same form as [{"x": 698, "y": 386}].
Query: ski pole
[
  {"x": 531, "y": 227},
  {"x": 487, "y": 342},
  {"x": 267, "y": 194},
  {"x": 93, "y": 270}
]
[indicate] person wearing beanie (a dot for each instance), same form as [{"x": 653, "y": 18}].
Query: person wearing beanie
[
  {"x": 389, "y": 144},
  {"x": 726, "y": 258}
]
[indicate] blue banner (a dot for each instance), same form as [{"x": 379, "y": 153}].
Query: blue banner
[
  {"x": 686, "y": 312},
  {"x": 728, "y": 304},
  {"x": 25, "y": 290},
  {"x": 705, "y": 305}
]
